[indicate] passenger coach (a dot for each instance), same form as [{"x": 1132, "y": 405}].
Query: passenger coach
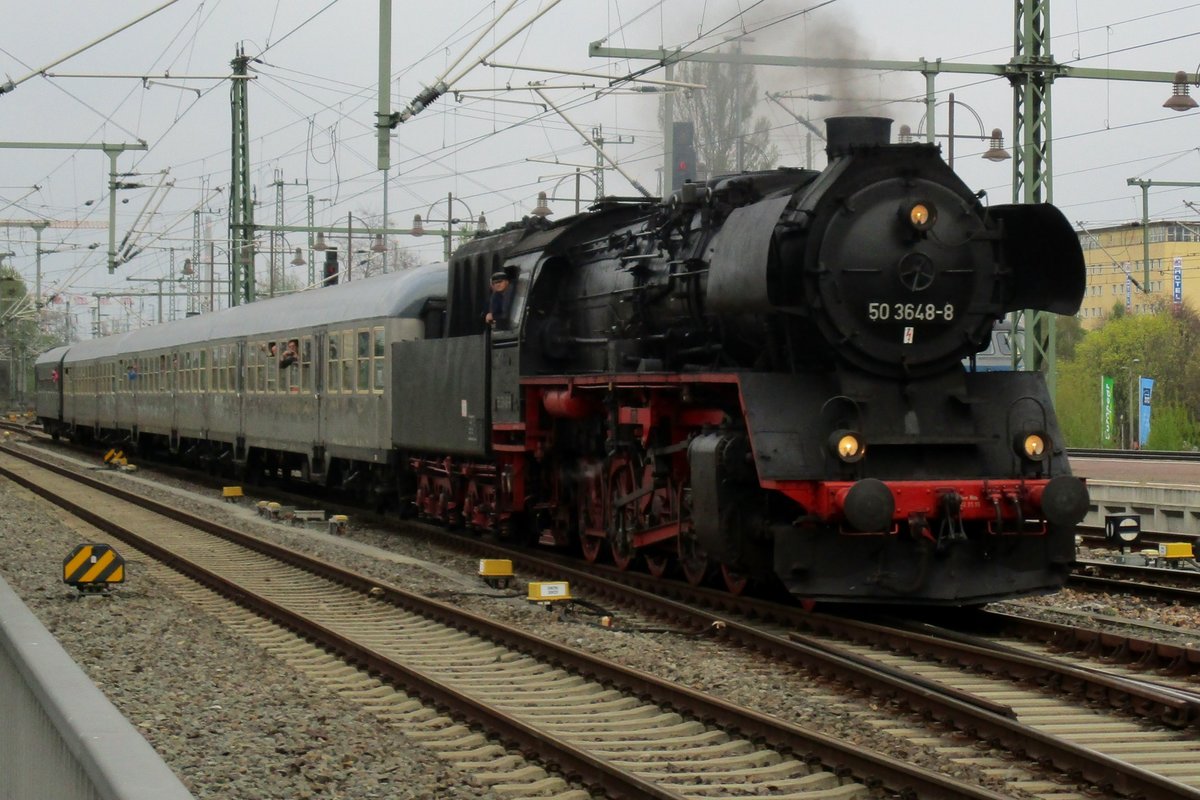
[{"x": 220, "y": 388}]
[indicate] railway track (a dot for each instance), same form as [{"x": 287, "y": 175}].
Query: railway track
[
  {"x": 1165, "y": 585},
  {"x": 583, "y": 716},
  {"x": 1125, "y": 733},
  {"x": 972, "y": 706}
]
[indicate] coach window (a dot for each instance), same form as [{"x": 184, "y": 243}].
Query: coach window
[
  {"x": 332, "y": 367},
  {"x": 231, "y": 367},
  {"x": 377, "y": 357},
  {"x": 306, "y": 363},
  {"x": 347, "y": 361},
  {"x": 289, "y": 377},
  {"x": 271, "y": 368},
  {"x": 202, "y": 370},
  {"x": 260, "y": 368},
  {"x": 364, "y": 361}
]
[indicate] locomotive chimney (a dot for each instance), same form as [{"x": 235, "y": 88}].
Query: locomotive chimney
[{"x": 845, "y": 133}]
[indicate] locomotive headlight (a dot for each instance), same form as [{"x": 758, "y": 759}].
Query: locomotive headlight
[
  {"x": 847, "y": 446},
  {"x": 921, "y": 215},
  {"x": 1032, "y": 446}
]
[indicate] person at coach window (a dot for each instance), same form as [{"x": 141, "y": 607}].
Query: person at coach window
[
  {"x": 291, "y": 354},
  {"x": 497, "y": 313}
]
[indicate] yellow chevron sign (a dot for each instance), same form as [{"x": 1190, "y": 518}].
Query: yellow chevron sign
[{"x": 92, "y": 567}]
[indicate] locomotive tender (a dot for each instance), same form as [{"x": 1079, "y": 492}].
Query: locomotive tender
[{"x": 761, "y": 377}]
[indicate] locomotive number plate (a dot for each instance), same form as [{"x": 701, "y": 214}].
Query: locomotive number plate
[{"x": 909, "y": 312}]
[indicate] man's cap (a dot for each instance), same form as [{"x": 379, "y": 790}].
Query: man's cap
[{"x": 499, "y": 276}]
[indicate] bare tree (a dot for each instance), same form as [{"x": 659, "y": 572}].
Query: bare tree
[{"x": 723, "y": 114}]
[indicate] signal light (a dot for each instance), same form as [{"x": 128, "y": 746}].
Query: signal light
[
  {"x": 329, "y": 270},
  {"x": 683, "y": 142}
]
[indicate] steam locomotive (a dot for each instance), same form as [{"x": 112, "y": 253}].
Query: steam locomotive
[{"x": 759, "y": 379}]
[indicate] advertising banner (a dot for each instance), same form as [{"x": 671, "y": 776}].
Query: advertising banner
[
  {"x": 1146, "y": 386},
  {"x": 1177, "y": 283},
  {"x": 1106, "y": 411}
]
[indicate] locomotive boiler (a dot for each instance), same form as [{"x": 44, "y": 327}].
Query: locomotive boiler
[{"x": 763, "y": 375}]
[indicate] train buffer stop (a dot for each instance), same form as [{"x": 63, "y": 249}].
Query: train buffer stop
[{"x": 93, "y": 569}]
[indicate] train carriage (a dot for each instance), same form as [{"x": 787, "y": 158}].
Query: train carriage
[
  {"x": 212, "y": 388},
  {"x": 48, "y": 393}
]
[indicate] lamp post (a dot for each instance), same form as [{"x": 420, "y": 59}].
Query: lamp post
[
  {"x": 322, "y": 237},
  {"x": 995, "y": 151},
  {"x": 1180, "y": 100},
  {"x": 296, "y": 261},
  {"x": 379, "y": 246},
  {"x": 542, "y": 209},
  {"x": 418, "y": 226}
]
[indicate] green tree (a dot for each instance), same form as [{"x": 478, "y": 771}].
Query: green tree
[
  {"x": 21, "y": 337},
  {"x": 1164, "y": 346},
  {"x": 720, "y": 113},
  {"x": 1069, "y": 332}
]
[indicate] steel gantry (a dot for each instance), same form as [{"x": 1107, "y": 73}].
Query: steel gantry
[{"x": 1031, "y": 72}]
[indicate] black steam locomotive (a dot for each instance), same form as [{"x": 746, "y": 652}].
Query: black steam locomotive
[{"x": 761, "y": 378}]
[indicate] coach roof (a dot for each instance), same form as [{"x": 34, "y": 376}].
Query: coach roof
[{"x": 396, "y": 294}]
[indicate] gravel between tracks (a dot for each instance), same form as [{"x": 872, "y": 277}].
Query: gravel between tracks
[{"x": 232, "y": 721}]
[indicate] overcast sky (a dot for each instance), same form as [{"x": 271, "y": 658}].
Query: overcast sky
[{"x": 312, "y": 107}]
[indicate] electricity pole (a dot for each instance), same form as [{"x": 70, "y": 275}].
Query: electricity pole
[
  {"x": 110, "y": 150},
  {"x": 241, "y": 199}
]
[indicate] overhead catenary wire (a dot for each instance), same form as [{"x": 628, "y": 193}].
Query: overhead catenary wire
[
  {"x": 432, "y": 93},
  {"x": 10, "y": 84},
  {"x": 632, "y": 180}
]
